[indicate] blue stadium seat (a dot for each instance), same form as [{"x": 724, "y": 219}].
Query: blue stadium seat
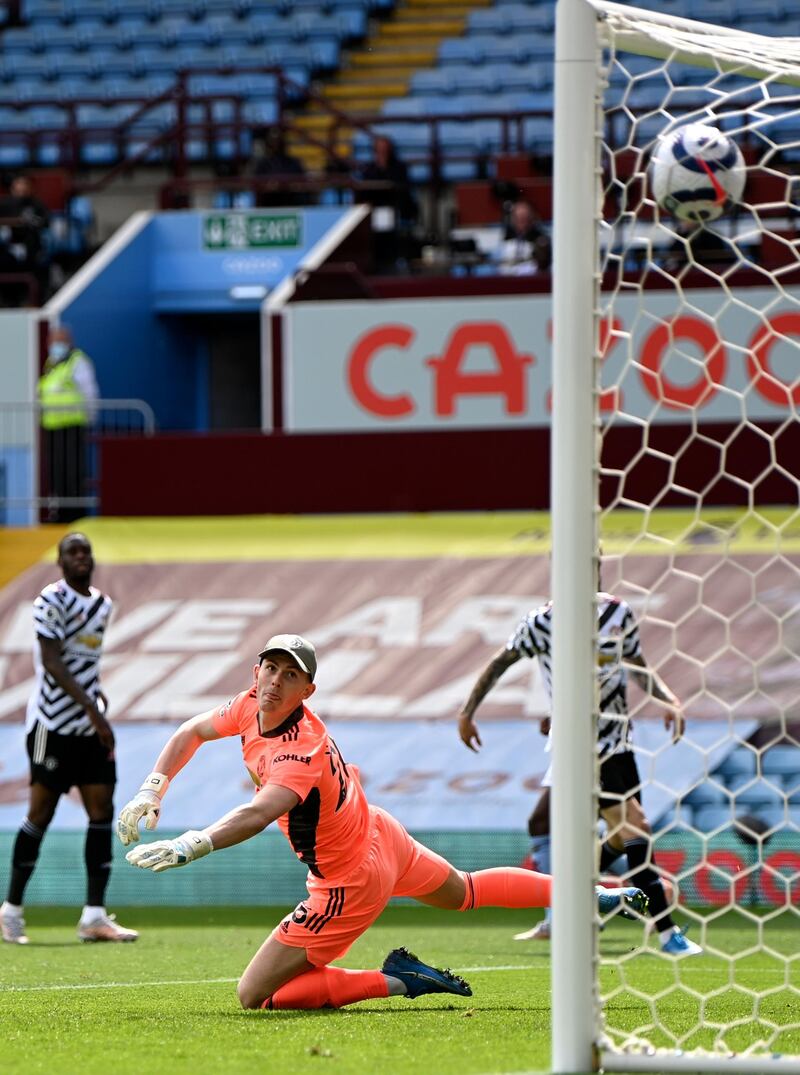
[
  {"x": 709, "y": 818},
  {"x": 461, "y": 50},
  {"x": 706, "y": 794},
  {"x": 24, "y": 39},
  {"x": 760, "y": 793},
  {"x": 38, "y": 10},
  {"x": 512, "y": 18},
  {"x": 260, "y": 112},
  {"x": 28, "y": 65},
  {"x": 783, "y": 761},
  {"x": 537, "y": 134},
  {"x": 437, "y": 79},
  {"x": 409, "y": 106},
  {"x": 740, "y": 761}
]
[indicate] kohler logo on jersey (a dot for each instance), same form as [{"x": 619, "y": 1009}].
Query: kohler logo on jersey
[{"x": 291, "y": 757}]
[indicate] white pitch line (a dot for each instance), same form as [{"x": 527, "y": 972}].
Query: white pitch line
[
  {"x": 111, "y": 985},
  {"x": 770, "y": 972},
  {"x": 182, "y": 981}
]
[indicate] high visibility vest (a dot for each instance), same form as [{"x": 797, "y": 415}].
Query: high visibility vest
[{"x": 63, "y": 403}]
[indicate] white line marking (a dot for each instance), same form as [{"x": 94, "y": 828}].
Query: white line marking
[
  {"x": 765, "y": 971},
  {"x": 111, "y": 985}
]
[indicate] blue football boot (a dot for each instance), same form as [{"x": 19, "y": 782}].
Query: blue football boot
[
  {"x": 628, "y": 902},
  {"x": 419, "y": 978}
]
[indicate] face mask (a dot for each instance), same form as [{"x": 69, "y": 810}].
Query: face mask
[{"x": 59, "y": 351}]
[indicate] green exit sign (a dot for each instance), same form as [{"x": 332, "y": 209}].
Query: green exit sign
[{"x": 251, "y": 231}]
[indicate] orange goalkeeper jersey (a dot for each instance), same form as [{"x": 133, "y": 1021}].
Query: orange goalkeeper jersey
[{"x": 329, "y": 828}]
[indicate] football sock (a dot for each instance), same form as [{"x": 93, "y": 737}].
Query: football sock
[
  {"x": 98, "y": 861},
  {"x": 23, "y": 859},
  {"x": 328, "y": 987},
  {"x": 540, "y": 852},
  {"x": 645, "y": 877},
  {"x": 506, "y": 886},
  {"x": 91, "y": 914},
  {"x": 609, "y": 855}
]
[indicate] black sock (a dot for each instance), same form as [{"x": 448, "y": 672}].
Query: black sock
[
  {"x": 608, "y": 856},
  {"x": 644, "y": 877},
  {"x": 23, "y": 859},
  {"x": 98, "y": 861}
]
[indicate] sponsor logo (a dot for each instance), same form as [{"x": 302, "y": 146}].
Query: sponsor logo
[
  {"x": 90, "y": 641},
  {"x": 305, "y": 759}
]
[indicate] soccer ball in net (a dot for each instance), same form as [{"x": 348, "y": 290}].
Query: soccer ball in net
[{"x": 697, "y": 172}]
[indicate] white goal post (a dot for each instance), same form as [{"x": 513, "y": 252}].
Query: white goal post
[{"x": 592, "y": 244}]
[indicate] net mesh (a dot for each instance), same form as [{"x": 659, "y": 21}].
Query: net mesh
[{"x": 699, "y": 375}]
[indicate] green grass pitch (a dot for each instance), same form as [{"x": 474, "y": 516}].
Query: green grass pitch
[{"x": 168, "y": 1002}]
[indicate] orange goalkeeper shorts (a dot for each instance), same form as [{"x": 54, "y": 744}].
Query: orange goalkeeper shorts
[{"x": 334, "y": 916}]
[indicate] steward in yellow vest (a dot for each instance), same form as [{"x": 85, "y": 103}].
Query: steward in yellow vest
[{"x": 67, "y": 387}]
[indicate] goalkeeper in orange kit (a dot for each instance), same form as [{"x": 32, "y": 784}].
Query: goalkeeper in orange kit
[{"x": 358, "y": 855}]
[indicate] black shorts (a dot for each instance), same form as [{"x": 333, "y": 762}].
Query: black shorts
[
  {"x": 619, "y": 777},
  {"x": 64, "y": 761}
]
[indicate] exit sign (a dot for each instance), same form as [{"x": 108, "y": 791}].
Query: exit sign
[{"x": 251, "y": 231}]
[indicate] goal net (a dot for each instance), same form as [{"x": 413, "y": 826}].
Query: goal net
[{"x": 676, "y": 449}]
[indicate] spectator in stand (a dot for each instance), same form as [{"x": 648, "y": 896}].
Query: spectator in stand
[
  {"x": 23, "y": 241},
  {"x": 67, "y": 393},
  {"x": 394, "y": 207},
  {"x": 525, "y": 249},
  {"x": 271, "y": 160}
]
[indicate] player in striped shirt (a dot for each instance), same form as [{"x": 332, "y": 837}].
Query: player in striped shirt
[
  {"x": 358, "y": 856},
  {"x": 70, "y": 742},
  {"x": 619, "y": 655}
]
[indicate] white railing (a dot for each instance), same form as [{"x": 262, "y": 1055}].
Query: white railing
[{"x": 47, "y": 476}]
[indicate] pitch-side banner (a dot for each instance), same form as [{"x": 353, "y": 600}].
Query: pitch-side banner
[
  {"x": 419, "y": 771},
  {"x": 486, "y": 362}
]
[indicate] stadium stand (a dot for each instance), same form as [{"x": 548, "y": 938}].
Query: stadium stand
[{"x": 464, "y": 88}]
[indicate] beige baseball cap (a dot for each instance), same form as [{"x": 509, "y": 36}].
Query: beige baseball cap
[{"x": 299, "y": 648}]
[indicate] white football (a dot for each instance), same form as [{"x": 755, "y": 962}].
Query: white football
[{"x": 697, "y": 172}]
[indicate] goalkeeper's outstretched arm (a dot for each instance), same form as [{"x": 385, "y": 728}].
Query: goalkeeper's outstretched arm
[
  {"x": 236, "y": 826},
  {"x": 146, "y": 804}
]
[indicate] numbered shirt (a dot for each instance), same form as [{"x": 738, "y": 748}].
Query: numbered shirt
[
  {"x": 78, "y": 623},
  {"x": 617, "y": 641},
  {"x": 329, "y": 829}
]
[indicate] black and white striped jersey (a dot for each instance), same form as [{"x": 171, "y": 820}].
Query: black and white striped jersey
[
  {"x": 617, "y": 641},
  {"x": 79, "y": 624}
]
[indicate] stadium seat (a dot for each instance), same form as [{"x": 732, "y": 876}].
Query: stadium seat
[
  {"x": 758, "y": 793},
  {"x": 710, "y": 818},
  {"x": 706, "y": 794},
  {"x": 741, "y": 761},
  {"x": 783, "y": 761}
]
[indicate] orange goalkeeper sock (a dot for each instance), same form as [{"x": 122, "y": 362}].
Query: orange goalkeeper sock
[
  {"x": 328, "y": 987},
  {"x": 507, "y": 886}
]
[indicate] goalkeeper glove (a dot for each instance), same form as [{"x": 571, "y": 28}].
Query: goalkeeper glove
[
  {"x": 166, "y": 854},
  {"x": 145, "y": 804}
]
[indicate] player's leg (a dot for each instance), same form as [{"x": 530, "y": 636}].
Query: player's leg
[
  {"x": 431, "y": 879},
  {"x": 42, "y": 802},
  {"x": 95, "y": 923},
  {"x": 539, "y": 831},
  {"x": 622, "y": 811},
  {"x": 291, "y": 970}
]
